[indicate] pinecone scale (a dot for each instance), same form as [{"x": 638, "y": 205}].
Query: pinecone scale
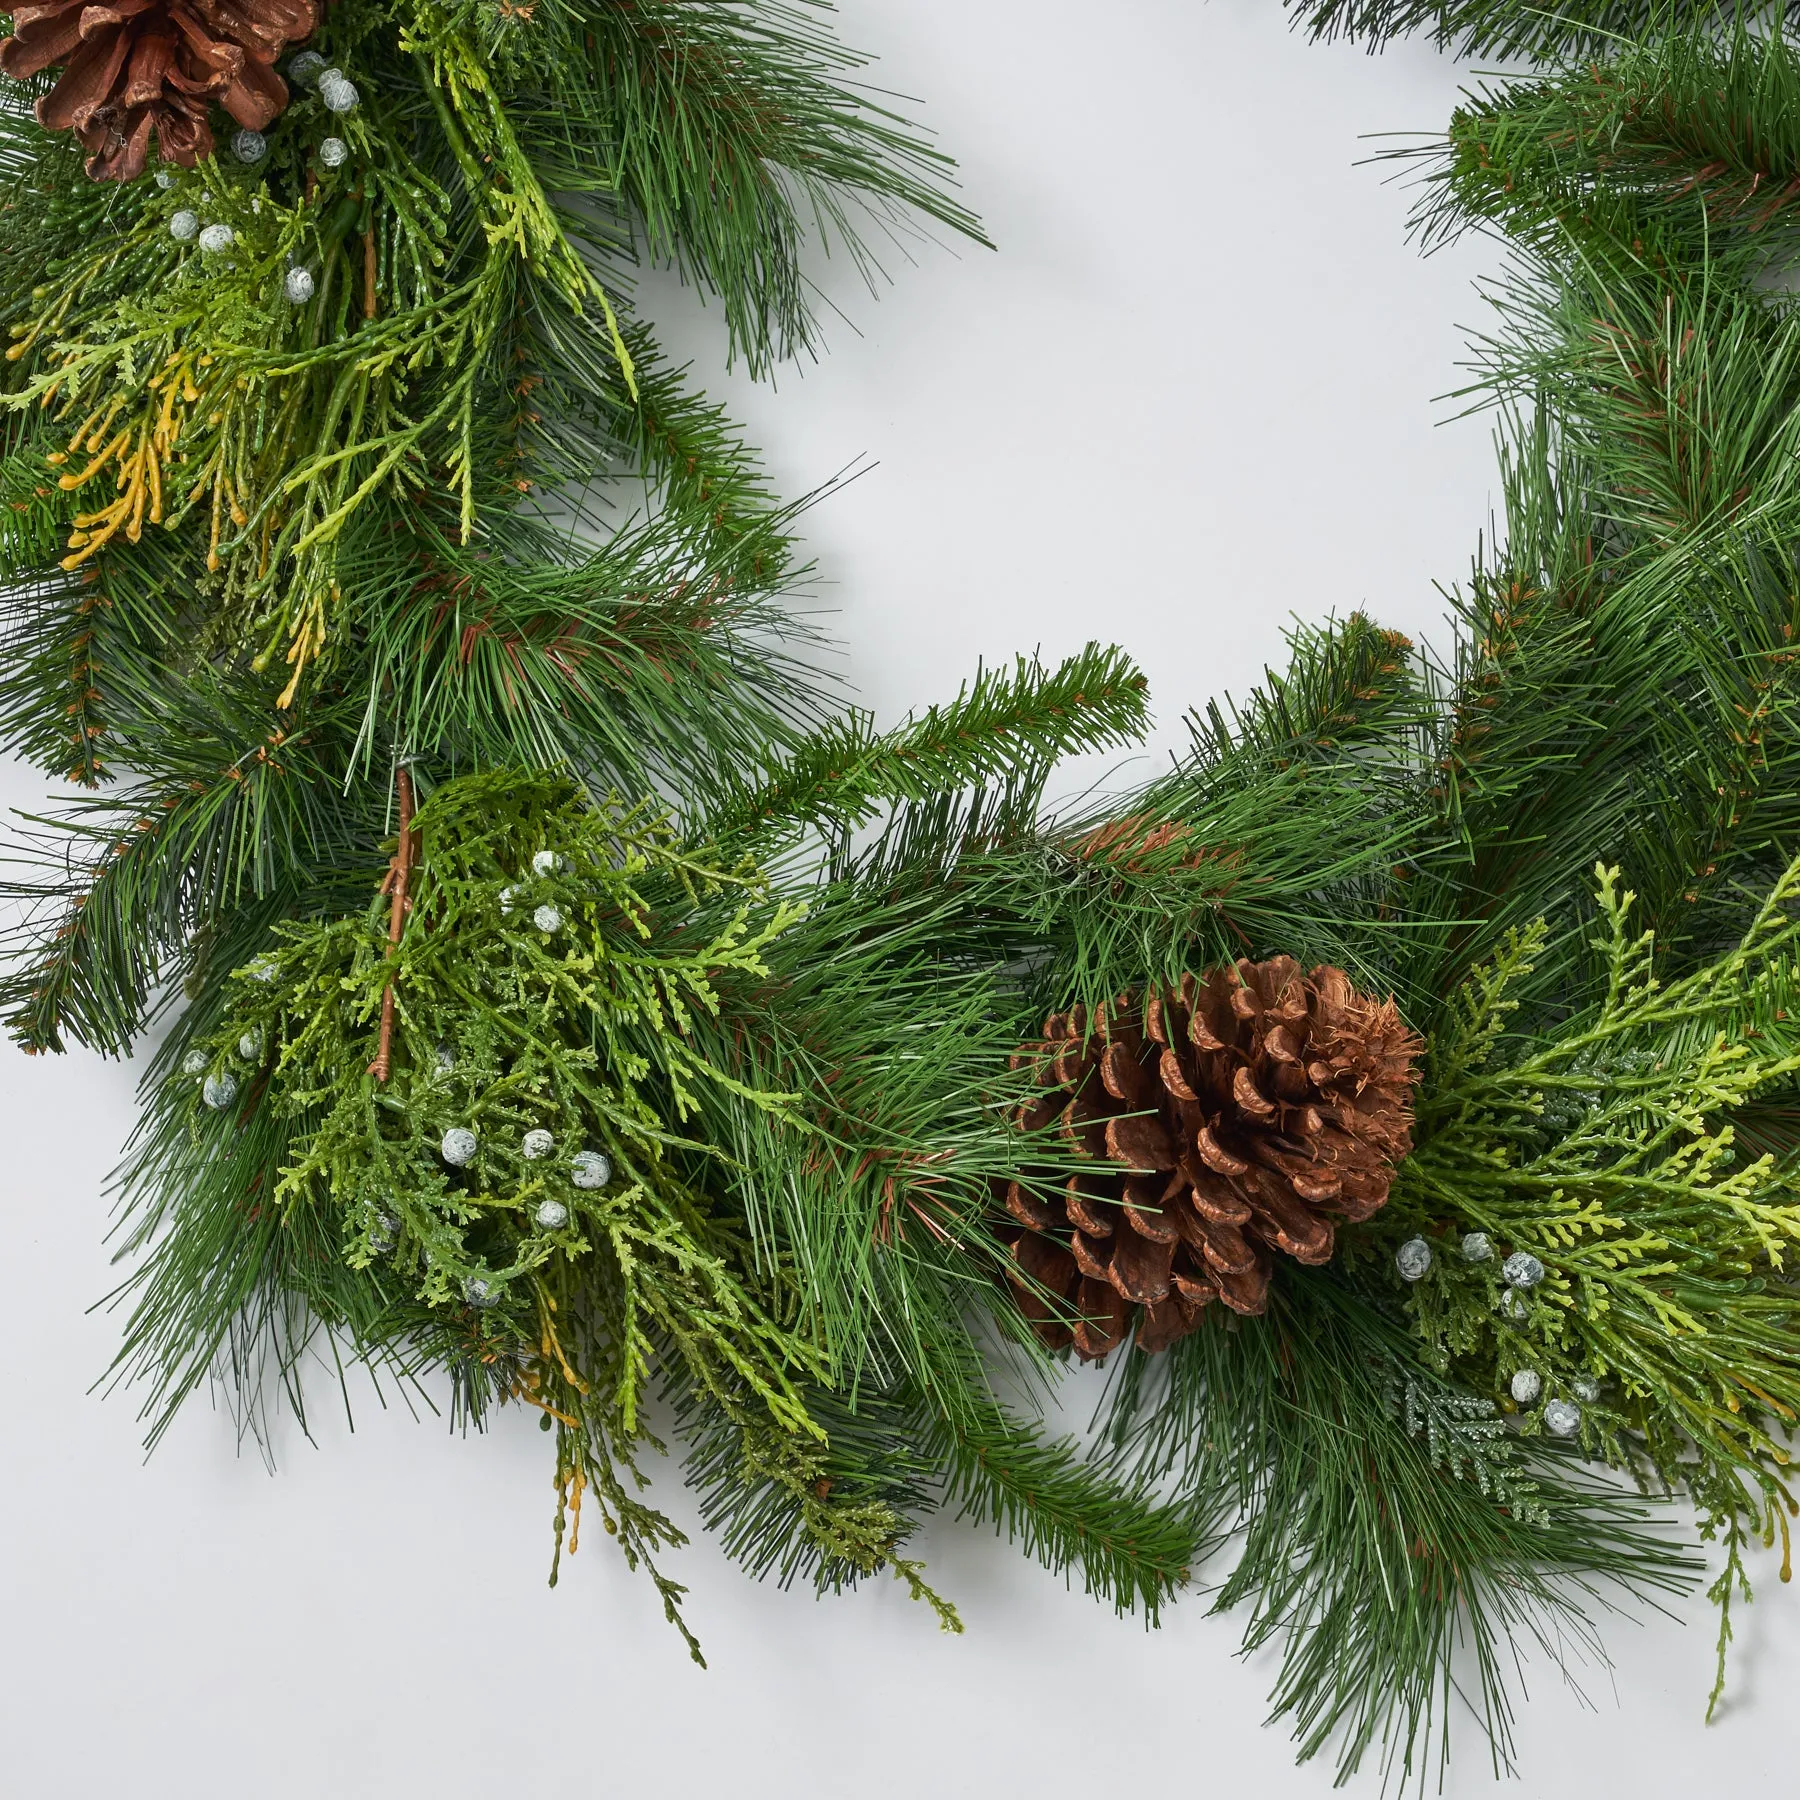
[{"x": 1249, "y": 1114}]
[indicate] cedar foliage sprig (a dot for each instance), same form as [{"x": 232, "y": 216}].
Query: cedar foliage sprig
[
  {"x": 540, "y": 986},
  {"x": 1605, "y": 1150},
  {"x": 466, "y": 342}
]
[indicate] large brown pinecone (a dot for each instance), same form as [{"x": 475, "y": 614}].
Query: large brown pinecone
[
  {"x": 136, "y": 67},
  {"x": 1269, "y": 1106}
]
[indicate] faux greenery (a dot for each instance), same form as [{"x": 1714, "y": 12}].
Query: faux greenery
[{"x": 570, "y": 1002}]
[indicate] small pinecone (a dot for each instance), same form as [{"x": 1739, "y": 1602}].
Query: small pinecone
[
  {"x": 1270, "y": 1105},
  {"x": 140, "y": 66}
]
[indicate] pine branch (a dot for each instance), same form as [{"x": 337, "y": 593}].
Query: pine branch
[
  {"x": 1284, "y": 829},
  {"x": 218, "y": 845},
  {"x": 1372, "y": 1548},
  {"x": 737, "y": 130},
  {"x": 833, "y": 1512},
  {"x": 1003, "y": 729},
  {"x": 1514, "y": 28},
  {"x": 1690, "y": 135},
  {"x": 650, "y": 660},
  {"x": 1040, "y": 1494}
]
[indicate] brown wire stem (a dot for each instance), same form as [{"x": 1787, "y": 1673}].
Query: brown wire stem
[{"x": 398, "y": 878}]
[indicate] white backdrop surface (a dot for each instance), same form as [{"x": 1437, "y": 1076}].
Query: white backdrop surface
[{"x": 1192, "y": 395}]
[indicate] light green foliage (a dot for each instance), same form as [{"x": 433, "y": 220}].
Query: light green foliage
[
  {"x": 467, "y": 342},
  {"x": 1603, "y": 1144},
  {"x": 503, "y": 1027},
  {"x": 507, "y": 1022},
  {"x": 1604, "y": 1147}
]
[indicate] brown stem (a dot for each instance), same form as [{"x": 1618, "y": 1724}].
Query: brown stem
[
  {"x": 399, "y": 870},
  {"x": 369, "y": 273}
]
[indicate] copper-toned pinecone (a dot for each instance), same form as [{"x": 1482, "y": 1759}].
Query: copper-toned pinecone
[
  {"x": 1250, "y": 1113},
  {"x": 136, "y": 67}
]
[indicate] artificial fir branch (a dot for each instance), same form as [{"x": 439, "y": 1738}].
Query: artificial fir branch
[
  {"x": 1516, "y": 28},
  {"x": 1369, "y": 1545}
]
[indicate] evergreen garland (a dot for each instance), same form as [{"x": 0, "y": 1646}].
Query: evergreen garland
[{"x": 573, "y": 1003}]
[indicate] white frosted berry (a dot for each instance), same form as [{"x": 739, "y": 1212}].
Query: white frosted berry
[
  {"x": 589, "y": 1169},
  {"x": 547, "y": 919},
  {"x": 338, "y": 92},
  {"x": 1522, "y": 1269},
  {"x": 250, "y": 1046},
  {"x": 297, "y": 284},
  {"x": 220, "y": 1090},
  {"x": 184, "y": 225},
  {"x": 1477, "y": 1246},
  {"x": 1413, "y": 1259},
  {"x": 334, "y": 152},
  {"x": 480, "y": 1292},
  {"x": 216, "y": 238},
  {"x": 249, "y": 146},
  {"x": 303, "y": 70},
  {"x": 537, "y": 1144},
  {"x": 1527, "y": 1384},
  {"x": 1586, "y": 1388},
  {"x": 459, "y": 1146},
  {"x": 551, "y": 1215},
  {"x": 195, "y": 1062},
  {"x": 1562, "y": 1418},
  {"x": 547, "y": 862}
]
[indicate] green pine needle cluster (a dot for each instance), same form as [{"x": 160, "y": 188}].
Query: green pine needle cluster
[{"x": 1515, "y": 28}]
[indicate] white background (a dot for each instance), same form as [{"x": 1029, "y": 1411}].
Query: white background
[{"x": 1193, "y": 394}]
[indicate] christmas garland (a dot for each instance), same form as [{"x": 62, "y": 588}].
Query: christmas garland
[{"x": 567, "y": 1000}]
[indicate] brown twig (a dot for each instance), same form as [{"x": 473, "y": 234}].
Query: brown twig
[
  {"x": 399, "y": 872},
  {"x": 369, "y": 273}
]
